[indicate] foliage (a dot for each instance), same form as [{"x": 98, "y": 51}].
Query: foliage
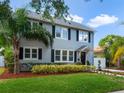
[
  {"x": 51, "y": 8},
  {"x": 111, "y": 44},
  {"x": 9, "y": 58},
  {"x": 2, "y": 70},
  {"x": 14, "y": 26},
  {"x": 88, "y": 62},
  {"x": 118, "y": 55},
  {"x": 61, "y": 68}
]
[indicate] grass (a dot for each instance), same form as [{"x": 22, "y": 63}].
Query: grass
[
  {"x": 71, "y": 83},
  {"x": 1, "y": 70}
]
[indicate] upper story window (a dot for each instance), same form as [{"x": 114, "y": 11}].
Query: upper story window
[
  {"x": 83, "y": 36},
  {"x": 61, "y": 32},
  {"x": 34, "y": 24}
]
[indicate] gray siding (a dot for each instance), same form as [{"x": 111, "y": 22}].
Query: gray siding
[{"x": 58, "y": 44}]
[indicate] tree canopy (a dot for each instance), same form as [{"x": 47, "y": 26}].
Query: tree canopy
[
  {"x": 111, "y": 43},
  {"x": 51, "y": 8}
]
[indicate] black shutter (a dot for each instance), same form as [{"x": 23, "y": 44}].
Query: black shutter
[
  {"x": 75, "y": 56},
  {"x": 53, "y": 31},
  {"x": 69, "y": 34},
  {"x": 40, "y": 53},
  {"x": 77, "y": 35},
  {"x": 89, "y": 37},
  {"x": 21, "y": 53},
  {"x": 52, "y": 55}
]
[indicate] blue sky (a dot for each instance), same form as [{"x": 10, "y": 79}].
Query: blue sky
[{"x": 105, "y": 17}]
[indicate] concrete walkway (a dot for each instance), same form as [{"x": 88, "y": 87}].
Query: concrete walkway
[
  {"x": 117, "y": 92},
  {"x": 113, "y": 70}
]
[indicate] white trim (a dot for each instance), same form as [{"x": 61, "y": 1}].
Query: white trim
[
  {"x": 61, "y": 32},
  {"x": 82, "y": 37},
  {"x": 61, "y": 61},
  {"x": 30, "y": 53}
]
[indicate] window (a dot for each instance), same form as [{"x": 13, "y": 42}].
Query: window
[
  {"x": 34, "y": 53},
  {"x": 71, "y": 55},
  {"x": 65, "y": 33},
  {"x": 34, "y": 24},
  {"x": 61, "y": 32},
  {"x": 57, "y": 57},
  {"x": 31, "y": 53},
  {"x": 27, "y": 53},
  {"x": 58, "y": 32},
  {"x": 83, "y": 36},
  {"x": 64, "y": 55}
]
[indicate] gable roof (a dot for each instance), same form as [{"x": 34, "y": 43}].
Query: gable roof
[{"x": 61, "y": 22}]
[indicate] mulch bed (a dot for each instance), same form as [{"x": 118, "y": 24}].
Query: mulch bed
[{"x": 8, "y": 75}]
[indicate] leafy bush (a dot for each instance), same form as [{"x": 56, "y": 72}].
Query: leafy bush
[
  {"x": 53, "y": 69},
  {"x": 9, "y": 58},
  {"x": 88, "y": 63}
]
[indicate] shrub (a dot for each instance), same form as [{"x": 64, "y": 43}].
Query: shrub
[
  {"x": 53, "y": 69},
  {"x": 88, "y": 62},
  {"x": 9, "y": 59}
]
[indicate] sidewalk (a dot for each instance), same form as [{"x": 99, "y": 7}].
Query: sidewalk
[
  {"x": 117, "y": 92},
  {"x": 113, "y": 70}
]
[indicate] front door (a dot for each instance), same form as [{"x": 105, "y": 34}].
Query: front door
[{"x": 83, "y": 57}]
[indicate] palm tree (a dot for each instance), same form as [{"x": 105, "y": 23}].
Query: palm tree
[
  {"x": 14, "y": 26},
  {"x": 118, "y": 56}
]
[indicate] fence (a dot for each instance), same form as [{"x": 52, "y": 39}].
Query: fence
[
  {"x": 1, "y": 61},
  {"x": 100, "y": 62}
]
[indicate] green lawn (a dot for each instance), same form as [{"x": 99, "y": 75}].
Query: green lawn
[
  {"x": 71, "y": 83},
  {"x": 1, "y": 70}
]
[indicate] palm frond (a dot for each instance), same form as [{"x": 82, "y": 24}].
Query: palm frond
[{"x": 39, "y": 33}]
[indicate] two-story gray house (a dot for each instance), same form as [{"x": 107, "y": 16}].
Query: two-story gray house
[{"x": 73, "y": 42}]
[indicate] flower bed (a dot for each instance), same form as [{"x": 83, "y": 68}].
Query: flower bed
[{"x": 53, "y": 69}]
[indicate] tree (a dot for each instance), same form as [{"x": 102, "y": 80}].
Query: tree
[
  {"x": 118, "y": 56},
  {"x": 14, "y": 26},
  {"x": 111, "y": 44},
  {"x": 51, "y": 8}
]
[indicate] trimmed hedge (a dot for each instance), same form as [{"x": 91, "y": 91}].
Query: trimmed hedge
[{"x": 53, "y": 69}]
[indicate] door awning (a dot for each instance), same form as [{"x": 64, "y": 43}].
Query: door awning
[{"x": 83, "y": 48}]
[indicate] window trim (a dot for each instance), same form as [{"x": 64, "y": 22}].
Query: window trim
[
  {"x": 30, "y": 53},
  {"x": 69, "y": 55},
  {"x": 32, "y": 21},
  {"x": 64, "y": 55},
  {"x": 57, "y": 55},
  {"x": 62, "y": 33},
  {"x": 61, "y": 50},
  {"x": 79, "y": 36}
]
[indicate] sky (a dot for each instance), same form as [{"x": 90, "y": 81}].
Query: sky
[{"x": 105, "y": 17}]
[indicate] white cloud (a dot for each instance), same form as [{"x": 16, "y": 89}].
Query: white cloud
[
  {"x": 75, "y": 18},
  {"x": 101, "y": 20}
]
